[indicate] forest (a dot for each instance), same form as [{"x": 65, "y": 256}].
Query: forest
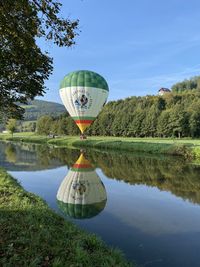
[
  {"x": 175, "y": 114},
  {"x": 170, "y": 115}
]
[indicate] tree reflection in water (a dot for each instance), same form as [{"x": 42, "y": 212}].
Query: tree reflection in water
[{"x": 166, "y": 173}]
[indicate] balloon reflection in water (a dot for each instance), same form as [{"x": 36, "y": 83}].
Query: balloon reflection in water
[{"x": 81, "y": 194}]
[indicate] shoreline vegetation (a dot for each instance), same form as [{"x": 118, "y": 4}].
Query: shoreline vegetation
[
  {"x": 34, "y": 235},
  {"x": 188, "y": 148}
]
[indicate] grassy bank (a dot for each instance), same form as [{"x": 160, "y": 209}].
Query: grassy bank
[
  {"x": 189, "y": 148},
  {"x": 31, "y": 234}
]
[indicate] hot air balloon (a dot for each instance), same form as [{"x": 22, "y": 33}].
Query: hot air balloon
[
  {"x": 84, "y": 93},
  {"x": 81, "y": 194}
]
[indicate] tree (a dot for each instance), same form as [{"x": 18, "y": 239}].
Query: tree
[
  {"x": 44, "y": 125},
  {"x": 163, "y": 127},
  {"x": 23, "y": 66},
  {"x": 59, "y": 126},
  {"x": 190, "y": 84},
  {"x": 194, "y": 123},
  {"x": 11, "y": 154},
  {"x": 11, "y": 126},
  {"x": 135, "y": 127},
  {"x": 71, "y": 127},
  {"x": 178, "y": 121}
]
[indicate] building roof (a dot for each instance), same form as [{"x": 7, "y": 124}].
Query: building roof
[{"x": 164, "y": 90}]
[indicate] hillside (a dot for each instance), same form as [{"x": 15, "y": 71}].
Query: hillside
[
  {"x": 38, "y": 108},
  {"x": 34, "y": 110}
]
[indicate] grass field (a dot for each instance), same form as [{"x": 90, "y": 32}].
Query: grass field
[
  {"x": 31, "y": 234},
  {"x": 189, "y": 148}
]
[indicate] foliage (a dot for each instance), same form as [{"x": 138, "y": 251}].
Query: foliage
[
  {"x": 34, "y": 110},
  {"x": 11, "y": 125},
  {"x": 33, "y": 235},
  {"x": 172, "y": 115},
  {"x": 44, "y": 125},
  {"x": 23, "y": 66},
  {"x": 38, "y": 108},
  {"x": 27, "y": 126},
  {"x": 56, "y": 126},
  {"x": 191, "y": 84}
]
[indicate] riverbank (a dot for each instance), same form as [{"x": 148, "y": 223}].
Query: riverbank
[
  {"x": 188, "y": 148},
  {"x": 33, "y": 235}
]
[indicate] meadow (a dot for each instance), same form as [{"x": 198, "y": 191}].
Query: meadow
[{"x": 189, "y": 148}]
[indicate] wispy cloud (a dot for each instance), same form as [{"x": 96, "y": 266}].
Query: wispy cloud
[{"x": 149, "y": 85}]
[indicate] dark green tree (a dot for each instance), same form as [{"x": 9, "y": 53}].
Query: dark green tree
[
  {"x": 178, "y": 121},
  {"x": 194, "y": 123},
  {"x": 44, "y": 125},
  {"x": 163, "y": 127},
  {"x": 23, "y": 66},
  {"x": 135, "y": 126},
  {"x": 190, "y": 84}
]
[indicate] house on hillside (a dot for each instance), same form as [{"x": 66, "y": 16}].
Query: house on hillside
[{"x": 163, "y": 91}]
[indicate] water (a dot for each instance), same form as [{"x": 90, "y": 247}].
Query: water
[{"x": 149, "y": 207}]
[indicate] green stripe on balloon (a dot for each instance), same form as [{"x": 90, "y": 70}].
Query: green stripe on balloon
[
  {"x": 84, "y": 78},
  {"x": 81, "y": 169},
  {"x": 81, "y": 211},
  {"x": 84, "y": 118}
]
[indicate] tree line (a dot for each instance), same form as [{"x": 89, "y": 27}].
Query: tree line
[
  {"x": 170, "y": 115},
  {"x": 152, "y": 171},
  {"x": 24, "y": 67},
  {"x": 191, "y": 84}
]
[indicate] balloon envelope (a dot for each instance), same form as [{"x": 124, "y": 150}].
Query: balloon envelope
[
  {"x": 81, "y": 194},
  {"x": 83, "y": 93}
]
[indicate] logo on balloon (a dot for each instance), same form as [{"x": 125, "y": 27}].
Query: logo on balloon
[
  {"x": 82, "y": 102},
  {"x": 80, "y": 188}
]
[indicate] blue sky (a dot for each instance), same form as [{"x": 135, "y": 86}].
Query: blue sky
[{"x": 138, "y": 46}]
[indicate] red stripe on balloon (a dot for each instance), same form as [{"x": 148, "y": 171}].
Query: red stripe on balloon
[
  {"x": 83, "y": 121},
  {"x": 76, "y": 165}
]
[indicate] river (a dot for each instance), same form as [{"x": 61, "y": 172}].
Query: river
[{"x": 147, "y": 206}]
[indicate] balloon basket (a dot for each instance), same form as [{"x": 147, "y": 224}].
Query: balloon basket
[{"x": 83, "y": 137}]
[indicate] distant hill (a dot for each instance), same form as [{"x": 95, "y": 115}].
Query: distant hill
[
  {"x": 38, "y": 108},
  {"x": 34, "y": 110}
]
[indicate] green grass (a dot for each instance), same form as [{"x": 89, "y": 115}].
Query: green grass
[
  {"x": 189, "y": 148},
  {"x": 28, "y": 106},
  {"x": 31, "y": 234}
]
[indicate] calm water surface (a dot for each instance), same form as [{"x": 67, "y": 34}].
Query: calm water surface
[{"x": 149, "y": 207}]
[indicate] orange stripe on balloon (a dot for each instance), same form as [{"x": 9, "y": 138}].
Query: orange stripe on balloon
[
  {"x": 82, "y": 165},
  {"x": 84, "y": 121}
]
